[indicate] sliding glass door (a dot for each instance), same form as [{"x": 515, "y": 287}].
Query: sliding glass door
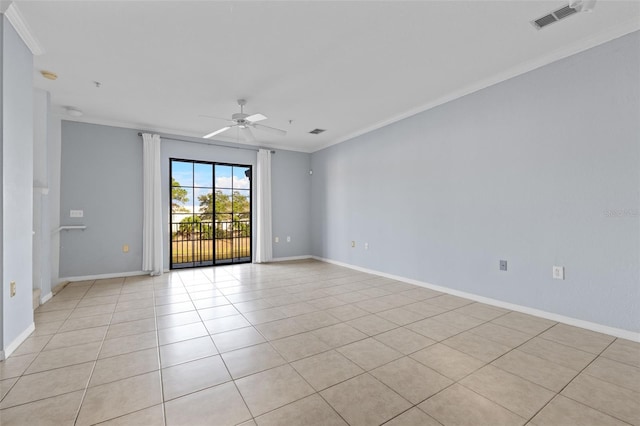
[{"x": 210, "y": 213}]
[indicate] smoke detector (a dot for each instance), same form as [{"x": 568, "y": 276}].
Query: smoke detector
[
  {"x": 49, "y": 75},
  {"x": 73, "y": 111}
]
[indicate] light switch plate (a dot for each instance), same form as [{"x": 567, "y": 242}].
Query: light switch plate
[
  {"x": 503, "y": 265},
  {"x": 558, "y": 272}
]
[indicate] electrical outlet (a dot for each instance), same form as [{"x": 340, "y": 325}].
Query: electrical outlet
[
  {"x": 353, "y": 244},
  {"x": 558, "y": 272},
  {"x": 288, "y": 239},
  {"x": 277, "y": 239},
  {"x": 503, "y": 265},
  {"x": 366, "y": 246},
  {"x": 125, "y": 248},
  {"x": 12, "y": 288},
  {"x": 76, "y": 213}
]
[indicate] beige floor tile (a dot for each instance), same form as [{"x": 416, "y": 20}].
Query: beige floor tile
[
  {"x": 134, "y": 304},
  {"x": 46, "y": 328},
  {"x": 265, "y": 315},
  {"x": 401, "y": 316},
  {"x": 585, "y": 340},
  {"x": 64, "y": 357},
  {"x": 281, "y": 328},
  {"x": 85, "y": 322},
  {"x": 459, "y": 406},
  {"x": 615, "y": 372},
  {"x": 132, "y": 315},
  {"x": 130, "y": 328},
  {"x": 516, "y": 394},
  {"x": 309, "y": 411},
  {"x": 326, "y": 369},
  {"x": 187, "y": 350},
  {"x": 115, "y": 399},
  {"x": 236, "y": 339},
  {"x": 5, "y": 385},
  {"x": 314, "y": 320},
  {"x": 459, "y": 320},
  {"x": 565, "y": 411},
  {"x": 218, "y": 312},
  {"x": 175, "y": 320},
  {"x": 624, "y": 351},
  {"x": 172, "y": 298},
  {"x": 210, "y": 302},
  {"x": 56, "y": 411},
  {"x": 32, "y": 344},
  {"x": 448, "y": 361},
  {"x": 347, "y": 312},
  {"x": 14, "y": 366},
  {"x": 482, "y": 311},
  {"x": 537, "y": 370},
  {"x": 365, "y": 401},
  {"x": 299, "y": 346},
  {"x": 78, "y": 337},
  {"x": 193, "y": 376},
  {"x": 352, "y": 297},
  {"x": 614, "y": 400},
  {"x": 418, "y": 293},
  {"x": 369, "y": 353},
  {"x": 90, "y": 311},
  {"x": 246, "y": 361},
  {"x": 182, "y": 332},
  {"x": 477, "y": 346},
  {"x": 57, "y": 305},
  {"x": 252, "y": 305},
  {"x": 504, "y": 335},
  {"x": 404, "y": 340},
  {"x": 412, "y": 380},
  {"x": 300, "y": 308},
  {"x": 220, "y": 325},
  {"x": 123, "y": 345},
  {"x": 152, "y": 416},
  {"x": 222, "y": 403},
  {"x": 272, "y": 388},
  {"x": 122, "y": 366},
  {"x": 326, "y": 302},
  {"x": 413, "y": 417},
  {"x": 435, "y": 330},
  {"x": 560, "y": 354},
  {"x": 50, "y": 316},
  {"x": 372, "y": 324},
  {"x": 100, "y": 300},
  {"x": 174, "y": 308},
  {"x": 448, "y": 301},
  {"x": 339, "y": 335},
  {"x": 47, "y": 384},
  {"x": 374, "y": 305},
  {"x": 525, "y": 323},
  {"x": 425, "y": 309}
]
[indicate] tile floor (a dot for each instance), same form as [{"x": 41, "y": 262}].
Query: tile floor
[{"x": 306, "y": 343}]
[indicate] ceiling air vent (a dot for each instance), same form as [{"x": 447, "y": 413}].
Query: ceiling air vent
[
  {"x": 554, "y": 16},
  {"x": 317, "y": 131}
]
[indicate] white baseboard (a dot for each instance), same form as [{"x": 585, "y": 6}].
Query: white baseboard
[
  {"x": 612, "y": 331},
  {"x": 18, "y": 341},
  {"x": 285, "y": 259},
  {"x": 2, "y": 356},
  {"x": 104, "y": 276},
  {"x": 44, "y": 299}
]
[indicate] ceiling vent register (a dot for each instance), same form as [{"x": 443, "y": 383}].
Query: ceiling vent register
[{"x": 555, "y": 16}]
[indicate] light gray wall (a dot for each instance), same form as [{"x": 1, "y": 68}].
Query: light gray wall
[
  {"x": 102, "y": 175},
  {"x": 54, "y": 147},
  {"x": 540, "y": 170},
  {"x": 17, "y": 184},
  {"x": 291, "y": 203}
]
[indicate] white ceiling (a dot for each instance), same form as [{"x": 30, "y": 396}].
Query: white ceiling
[{"x": 348, "y": 67}]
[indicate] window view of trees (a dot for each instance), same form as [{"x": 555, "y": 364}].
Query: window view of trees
[{"x": 202, "y": 215}]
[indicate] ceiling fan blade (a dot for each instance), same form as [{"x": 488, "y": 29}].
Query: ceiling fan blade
[
  {"x": 212, "y": 134},
  {"x": 247, "y": 134},
  {"x": 256, "y": 117},
  {"x": 270, "y": 129}
]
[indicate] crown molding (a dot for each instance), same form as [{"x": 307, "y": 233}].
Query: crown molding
[{"x": 21, "y": 26}]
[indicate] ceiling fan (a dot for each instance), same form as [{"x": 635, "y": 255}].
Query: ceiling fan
[{"x": 245, "y": 122}]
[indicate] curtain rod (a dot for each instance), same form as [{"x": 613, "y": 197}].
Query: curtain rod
[{"x": 209, "y": 144}]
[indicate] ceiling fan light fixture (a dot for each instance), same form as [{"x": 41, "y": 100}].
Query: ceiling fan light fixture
[{"x": 212, "y": 134}]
